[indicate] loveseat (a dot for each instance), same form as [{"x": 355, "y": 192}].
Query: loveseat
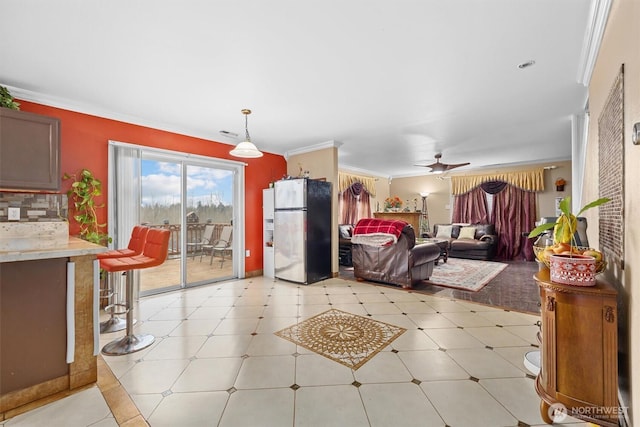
[
  {"x": 398, "y": 261},
  {"x": 471, "y": 241}
]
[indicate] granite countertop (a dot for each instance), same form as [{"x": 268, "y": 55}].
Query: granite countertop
[
  {"x": 33, "y": 241},
  {"x": 72, "y": 247}
]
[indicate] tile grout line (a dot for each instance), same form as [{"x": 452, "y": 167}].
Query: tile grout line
[{"x": 124, "y": 410}]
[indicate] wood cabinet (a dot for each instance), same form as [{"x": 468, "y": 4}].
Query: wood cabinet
[
  {"x": 29, "y": 151},
  {"x": 33, "y": 335},
  {"x": 579, "y": 350},
  {"x": 48, "y": 324},
  {"x": 412, "y": 218}
]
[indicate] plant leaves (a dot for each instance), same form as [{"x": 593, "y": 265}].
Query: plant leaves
[
  {"x": 565, "y": 205},
  {"x": 593, "y": 204},
  {"x": 541, "y": 228}
]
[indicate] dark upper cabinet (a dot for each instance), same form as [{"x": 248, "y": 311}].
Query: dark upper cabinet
[{"x": 29, "y": 151}]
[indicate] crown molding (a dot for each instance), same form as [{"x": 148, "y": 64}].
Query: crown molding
[
  {"x": 597, "y": 22},
  {"x": 310, "y": 148},
  {"x": 359, "y": 171},
  {"x": 92, "y": 110}
]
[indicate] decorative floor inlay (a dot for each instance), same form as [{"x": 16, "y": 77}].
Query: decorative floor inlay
[{"x": 343, "y": 337}]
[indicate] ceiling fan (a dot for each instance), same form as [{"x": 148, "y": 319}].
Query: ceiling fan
[{"x": 438, "y": 167}]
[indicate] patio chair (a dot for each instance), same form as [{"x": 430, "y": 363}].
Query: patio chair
[
  {"x": 207, "y": 235},
  {"x": 222, "y": 245}
]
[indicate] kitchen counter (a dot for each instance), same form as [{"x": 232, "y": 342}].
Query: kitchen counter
[
  {"x": 73, "y": 246},
  {"x": 48, "y": 313}
]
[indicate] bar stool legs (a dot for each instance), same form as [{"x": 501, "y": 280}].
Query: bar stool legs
[
  {"x": 131, "y": 342},
  {"x": 115, "y": 306}
]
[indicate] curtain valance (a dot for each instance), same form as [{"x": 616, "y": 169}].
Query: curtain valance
[
  {"x": 347, "y": 180},
  {"x": 529, "y": 180}
]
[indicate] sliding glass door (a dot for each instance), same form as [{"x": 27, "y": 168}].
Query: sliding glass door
[
  {"x": 209, "y": 223},
  {"x": 196, "y": 198}
]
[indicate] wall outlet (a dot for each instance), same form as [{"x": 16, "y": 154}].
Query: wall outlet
[
  {"x": 14, "y": 214},
  {"x": 248, "y": 253}
]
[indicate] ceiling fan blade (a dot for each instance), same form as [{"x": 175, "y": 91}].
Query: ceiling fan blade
[
  {"x": 457, "y": 165},
  {"x": 439, "y": 167}
]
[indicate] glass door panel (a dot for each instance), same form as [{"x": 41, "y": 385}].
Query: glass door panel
[
  {"x": 194, "y": 197},
  {"x": 209, "y": 231},
  {"x": 161, "y": 207}
]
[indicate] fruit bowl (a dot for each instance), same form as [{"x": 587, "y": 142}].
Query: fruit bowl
[{"x": 540, "y": 256}]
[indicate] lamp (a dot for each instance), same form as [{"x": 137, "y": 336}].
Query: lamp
[
  {"x": 424, "y": 214},
  {"x": 246, "y": 148}
]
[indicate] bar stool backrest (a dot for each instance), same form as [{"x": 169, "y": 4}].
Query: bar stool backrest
[
  {"x": 138, "y": 237},
  {"x": 156, "y": 246}
]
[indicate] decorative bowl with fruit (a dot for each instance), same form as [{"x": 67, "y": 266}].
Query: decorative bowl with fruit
[
  {"x": 543, "y": 254},
  {"x": 563, "y": 235}
]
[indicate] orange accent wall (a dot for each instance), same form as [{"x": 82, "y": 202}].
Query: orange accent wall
[{"x": 84, "y": 144}]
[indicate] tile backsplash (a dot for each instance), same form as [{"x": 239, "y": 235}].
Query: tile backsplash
[{"x": 33, "y": 207}]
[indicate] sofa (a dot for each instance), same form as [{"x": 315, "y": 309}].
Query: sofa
[
  {"x": 400, "y": 262},
  {"x": 345, "y": 231},
  {"x": 471, "y": 241}
]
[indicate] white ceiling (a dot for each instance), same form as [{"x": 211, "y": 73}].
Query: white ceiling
[{"x": 392, "y": 82}]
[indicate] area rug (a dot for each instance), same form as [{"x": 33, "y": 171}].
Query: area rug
[
  {"x": 343, "y": 337},
  {"x": 466, "y": 274}
]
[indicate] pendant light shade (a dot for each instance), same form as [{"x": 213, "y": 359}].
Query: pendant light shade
[{"x": 246, "y": 148}]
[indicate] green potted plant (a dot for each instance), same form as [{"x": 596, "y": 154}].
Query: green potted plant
[
  {"x": 569, "y": 264},
  {"x": 6, "y": 100},
  {"x": 566, "y": 224},
  {"x": 85, "y": 187}
]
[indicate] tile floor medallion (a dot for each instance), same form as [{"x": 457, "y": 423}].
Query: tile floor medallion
[{"x": 343, "y": 337}]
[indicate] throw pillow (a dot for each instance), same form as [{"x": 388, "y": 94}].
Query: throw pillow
[
  {"x": 467, "y": 233},
  {"x": 444, "y": 232}
]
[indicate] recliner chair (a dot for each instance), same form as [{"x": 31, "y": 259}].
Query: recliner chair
[{"x": 403, "y": 263}]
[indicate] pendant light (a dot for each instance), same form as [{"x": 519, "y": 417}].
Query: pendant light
[{"x": 246, "y": 148}]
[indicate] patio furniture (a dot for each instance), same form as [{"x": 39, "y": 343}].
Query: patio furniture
[
  {"x": 207, "y": 235},
  {"x": 221, "y": 245}
]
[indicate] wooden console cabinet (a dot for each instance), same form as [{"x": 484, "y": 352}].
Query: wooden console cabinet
[
  {"x": 412, "y": 218},
  {"x": 579, "y": 350}
]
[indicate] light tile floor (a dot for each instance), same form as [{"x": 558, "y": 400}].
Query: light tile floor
[{"x": 216, "y": 362}]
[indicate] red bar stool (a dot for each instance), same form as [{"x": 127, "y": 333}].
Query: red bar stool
[
  {"x": 115, "y": 302},
  {"x": 155, "y": 253}
]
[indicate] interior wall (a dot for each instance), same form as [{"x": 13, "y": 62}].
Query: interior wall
[
  {"x": 547, "y": 199},
  {"x": 438, "y": 201},
  {"x": 321, "y": 164},
  {"x": 382, "y": 192},
  {"x": 84, "y": 144},
  {"x": 619, "y": 46}
]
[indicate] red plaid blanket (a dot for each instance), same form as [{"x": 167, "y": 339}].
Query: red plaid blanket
[{"x": 377, "y": 226}]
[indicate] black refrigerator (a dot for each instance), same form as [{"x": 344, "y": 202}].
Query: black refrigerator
[{"x": 302, "y": 230}]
